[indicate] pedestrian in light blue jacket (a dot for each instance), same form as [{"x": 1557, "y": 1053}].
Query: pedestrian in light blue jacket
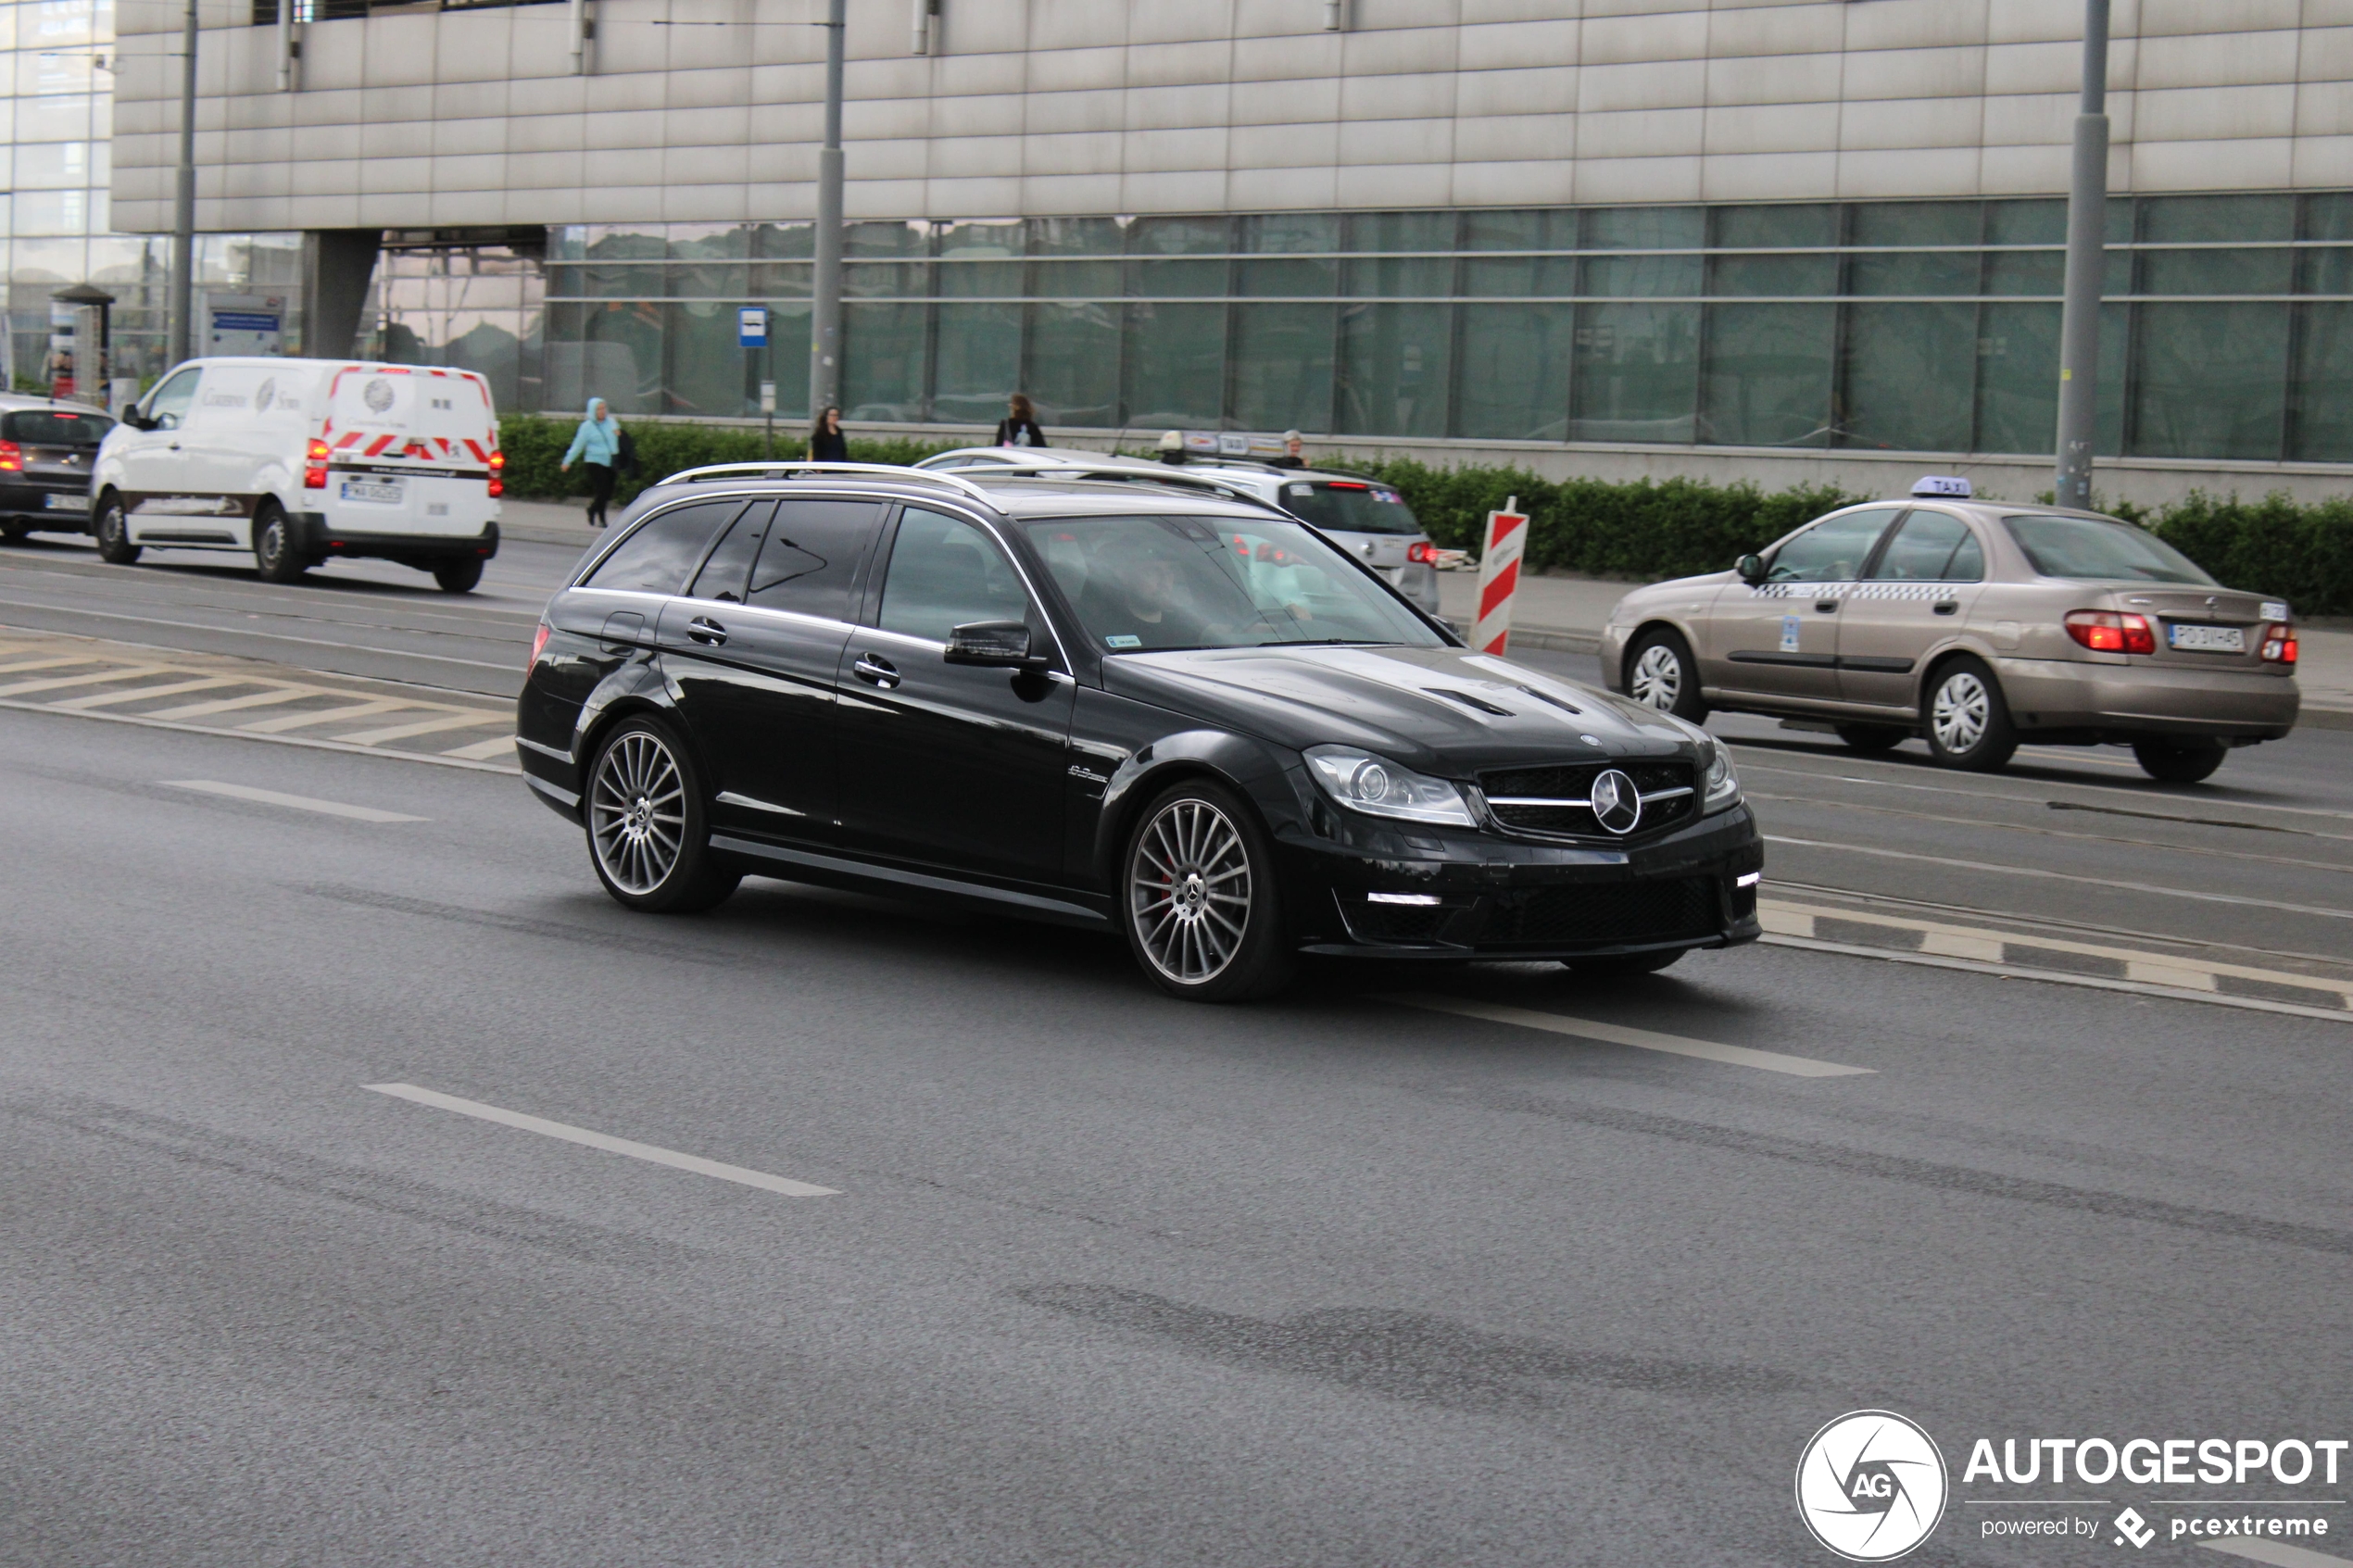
[{"x": 598, "y": 443}]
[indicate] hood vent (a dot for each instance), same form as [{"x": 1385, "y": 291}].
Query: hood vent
[{"x": 1475, "y": 703}]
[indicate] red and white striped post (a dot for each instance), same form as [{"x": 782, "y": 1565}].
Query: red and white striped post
[{"x": 1498, "y": 577}]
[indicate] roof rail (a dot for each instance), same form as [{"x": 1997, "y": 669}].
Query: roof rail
[
  {"x": 788, "y": 471},
  {"x": 1105, "y": 473}
]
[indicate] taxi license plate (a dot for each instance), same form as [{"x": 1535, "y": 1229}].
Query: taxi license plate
[
  {"x": 2210, "y": 639},
  {"x": 364, "y": 490},
  {"x": 57, "y": 503}
]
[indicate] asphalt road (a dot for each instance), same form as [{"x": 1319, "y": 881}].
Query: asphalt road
[{"x": 1100, "y": 1278}]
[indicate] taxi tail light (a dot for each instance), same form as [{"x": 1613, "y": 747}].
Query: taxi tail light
[
  {"x": 539, "y": 644},
  {"x": 2104, "y": 631},
  {"x": 1421, "y": 552},
  {"x": 314, "y": 466},
  {"x": 497, "y": 474},
  {"x": 2279, "y": 644},
  {"x": 11, "y": 457}
]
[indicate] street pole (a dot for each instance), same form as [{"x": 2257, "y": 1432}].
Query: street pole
[
  {"x": 825, "y": 324},
  {"x": 2079, "y": 397},
  {"x": 183, "y": 223}
]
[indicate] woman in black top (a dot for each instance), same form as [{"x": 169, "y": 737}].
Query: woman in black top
[
  {"x": 1020, "y": 428},
  {"x": 826, "y": 443}
]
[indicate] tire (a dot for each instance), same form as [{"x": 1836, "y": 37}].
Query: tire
[
  {"x": 113, "y": 529},
  {"x": 459, "y": 576},
  {"x": 2180, "y": 762},
  {"x": 1198, "y": 897},
  {"x": 1661, "y": 674},
  {"x": 1968, "y": 724},
  {"x": 275, "y": 555},
  {"x": 15, "y": 532},
  {"x": 1622, "y": 966},
  {"x": 648, "y": 831},
  {"x": 1870, "y": 738}
]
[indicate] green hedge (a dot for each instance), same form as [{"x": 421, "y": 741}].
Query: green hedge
[{"x": 1646, "y": 530}]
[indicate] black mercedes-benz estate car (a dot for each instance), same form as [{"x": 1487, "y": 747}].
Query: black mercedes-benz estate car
[{"x": 1185, "y": 716}]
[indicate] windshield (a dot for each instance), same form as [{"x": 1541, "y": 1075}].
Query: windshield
[
  {"x": 1350, "y": 506},
  {"x": 1146, "y": 583},
  {"x": 2100, "y": 551},
  {"x": 42, "y": 427}
]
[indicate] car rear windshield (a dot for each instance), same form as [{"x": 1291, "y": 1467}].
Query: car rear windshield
[
  {"x": 1350, "y": 506},
  {"x": 2100, "y": 551},
  {"x": 41, "y": 427},
  {"x": 1143, "y": 584}
]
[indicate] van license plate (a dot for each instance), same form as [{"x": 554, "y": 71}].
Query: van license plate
[
  {"x": 362, "y": 490},
  {"x": 57, "y": 503},
  {"x": 2210, "y": 639}
]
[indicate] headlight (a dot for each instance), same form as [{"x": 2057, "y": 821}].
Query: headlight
[
  {"x": 1366, "y": 782},
  {"x": 1719, "y": 786}
]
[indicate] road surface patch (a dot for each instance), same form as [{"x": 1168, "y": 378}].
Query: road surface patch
[
  {"x": 2278, "y": 1553},
  {"x": 1619, "y": 1034},
  {"x": 292, "y": 802},
  {"x": 604, "y": 1141}
]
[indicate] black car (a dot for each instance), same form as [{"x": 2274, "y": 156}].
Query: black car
[
  {"x": 46, "y": 450},
  {"x": 1107, "y": 704}
]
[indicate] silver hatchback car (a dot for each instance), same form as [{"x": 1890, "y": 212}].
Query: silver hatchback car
[{"x": 1976, "y": 625}]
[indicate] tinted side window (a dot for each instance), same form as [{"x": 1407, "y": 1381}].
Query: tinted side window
[
  {"x": 657, "y": 555},
  {"x": 169, "y": 404},
  {"x": 1967, "y": 564},
  {"x": 945, "y": 573},
  {"x": 1833, "y": 550},
  {"x": 1350, "y": 507},
  {"x": 1922, "y": 548},
  {"x": 813, "y": 551},
  {"x": 723, "y": 574}
]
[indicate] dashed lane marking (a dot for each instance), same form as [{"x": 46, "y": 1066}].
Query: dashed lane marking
[
  {"x": 1619, "y": 1034},
  {"x": 285, "y": 722},
  {"x": 294, "y": 802},
  {"x": 604, "y": 1141},
  {"x": 483, "y": 750},
  {"x": 142, "y": 694},
  {"x": 234, "y": 704},
  {"x": 2193, "y": 894},
  {"x": 59, "y": 683},
  {"x": 425, "y": 727}
]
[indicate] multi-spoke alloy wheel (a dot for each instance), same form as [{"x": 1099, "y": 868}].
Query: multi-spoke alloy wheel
[
  {"x": 1658, "y": 678},
  {"x": 1199, "y": 899},
  {"x": 1968, "y": 724},
  {"x": 645, "y": 825}
]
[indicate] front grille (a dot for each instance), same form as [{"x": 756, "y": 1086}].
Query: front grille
[
  {"x": 1574, "y": 782},
  {"x": 1613, "y": 913}
]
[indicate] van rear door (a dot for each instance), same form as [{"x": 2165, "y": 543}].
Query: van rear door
[{"x": 410, "y": 450}]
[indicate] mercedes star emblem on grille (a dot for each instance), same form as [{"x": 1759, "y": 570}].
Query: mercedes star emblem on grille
[{"x": 1616, "y": 805}]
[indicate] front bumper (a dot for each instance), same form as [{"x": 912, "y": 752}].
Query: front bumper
[
  {"x": 2126, "y": 700},
  {"x": 1501, "y": 898},
  {"x": 315, "y": 538},
  {"x": 27, "y": 496}
]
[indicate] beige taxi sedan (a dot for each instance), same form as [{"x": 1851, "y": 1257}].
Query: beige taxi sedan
[{"x": 1976, "y": 625}]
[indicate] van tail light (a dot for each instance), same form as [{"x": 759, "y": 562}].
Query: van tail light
[
  {"x": 2279, "y": 644},
  {"x": 538, "y": 645},
  {"x": 497, "y": 474},
  {"x": 314, "y": 466},
  {"x": 1421, "y": 552},
  {"x": 2104, "y": 631},
  {"x": 11, "y": 457}
]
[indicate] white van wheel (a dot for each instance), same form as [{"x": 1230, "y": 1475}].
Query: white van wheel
[
  {"x": 275, "y": 555},
  {"x": 113, "y": 529},
  {"x": 458, "y": 576}
]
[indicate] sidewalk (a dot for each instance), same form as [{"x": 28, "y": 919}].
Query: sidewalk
[{"x": 1568, "y": 614}]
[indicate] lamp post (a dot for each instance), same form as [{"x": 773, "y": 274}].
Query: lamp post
[
  {"x": 2079, "y": 395},
  {"x": 824, "y": 323},
  {"x": 184, "y": 217}
]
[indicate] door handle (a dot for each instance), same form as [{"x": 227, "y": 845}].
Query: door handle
[
  {"x": 878, "y": 671},
  {"x": 1825, "y": 606},
  {"x": 175, "y": 446},
  {"x": 704, "y": 630},
  {"x": 1947, "y": 608}
]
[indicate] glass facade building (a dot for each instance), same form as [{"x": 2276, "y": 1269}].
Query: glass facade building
[{"x": 1917, "y": 325}]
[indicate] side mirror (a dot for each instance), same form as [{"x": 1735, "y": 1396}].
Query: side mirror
[
  {"x": 136, "y": 420},
  {"x": 1750, "y": 570},
  {"x": 997, "y": 645}
]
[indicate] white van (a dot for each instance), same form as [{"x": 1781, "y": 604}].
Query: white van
[{"x": 303, "y": 461}]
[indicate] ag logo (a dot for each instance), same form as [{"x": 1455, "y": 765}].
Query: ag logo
[
  {"x": 378, "y": 394},
  {"x": 264, "y": 395},
  {"x": 1617, "y": 806},
  {"x": 1870, "y": 1486}
]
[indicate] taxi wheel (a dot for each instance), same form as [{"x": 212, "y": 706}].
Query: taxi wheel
[
  {"x": 1968, "y": 724},
  {"x": 1622, "y": 966},
  {"x": 114, "y": 534},
  {"x": 1873, "y": 737},
  {"x": 1661, "y": 674},
  {"x": 275, "y": 556},
  {"x": 2180, "y": 762}
]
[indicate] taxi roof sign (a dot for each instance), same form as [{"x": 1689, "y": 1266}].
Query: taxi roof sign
[{"x": 1947, "y": 485}]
